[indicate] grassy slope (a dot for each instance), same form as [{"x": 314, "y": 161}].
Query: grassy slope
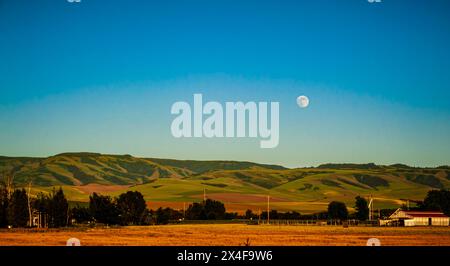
[{"x": 307, "y": 189}]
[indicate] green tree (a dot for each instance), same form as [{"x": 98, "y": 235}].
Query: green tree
[
  {"x": 18, "y": 208},
  {"x": 249, "y": 214},
  {"x": 42, "y": 205},
  {"x": 196, "y": 211},
  {"x": 58, "y": 209},
  {"x": 273, "y": 214},
  {"x": 362, "y": 208},
  {"x": 132, "y": 207},
  {"x": 292, "y": 215},
  {"x": 215, "y": 210},
  {"x": 337, "y": 210},
  {"x": 53, "y": 208},
  {"x": 41, "y": 202},
  {"x": 103, "y": 209},
  {"x": 162, "y": 216},
  {"x": 207, "y": 210},
  {"x": 4, "y": 201},
  {"x": 437, "y": 200},
  {"x": 80, "y": 214}
]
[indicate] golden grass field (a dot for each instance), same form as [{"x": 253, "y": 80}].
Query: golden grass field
[{"x": 229, "y": 235}]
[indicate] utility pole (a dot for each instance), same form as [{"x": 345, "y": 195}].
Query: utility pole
[{"x": 268, "y": 209}]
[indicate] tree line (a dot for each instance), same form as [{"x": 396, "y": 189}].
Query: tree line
[{"x": 19, "y": 209}]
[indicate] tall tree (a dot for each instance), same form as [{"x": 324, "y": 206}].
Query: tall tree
[
  {"x": 249, "y": 214},
  {"x": 42, "y": 204},
  {"x": 18, "y": 208},
  {"x": 80, "y": 214},
  {"x": 214, "y": 209},
  {"x": 337, "y": 210},
  {"x": 196, "y": 211},
  {"x": 4, "y": 201},
  {"x": 58, "y": 209},
  {"x": 132, "y": 207},
  {"x": 162, "y": 215},
  {"x": 207, "y": 210},
  {"x": 103, "y": 209},
  {"x": 437, "y": 200},
  {"x": 362, "y": 208}
]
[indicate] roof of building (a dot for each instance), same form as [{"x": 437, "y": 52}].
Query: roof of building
[
  {"x": 411, "y": 214},
  {"x": 424, "y": 214}
]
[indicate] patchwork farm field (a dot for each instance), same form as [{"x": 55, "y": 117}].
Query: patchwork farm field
[
  {"x": 229, "y": 235},
  {"x": 239, "y": 185}
]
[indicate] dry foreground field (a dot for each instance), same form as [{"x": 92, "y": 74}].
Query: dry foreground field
[{"x": 229, "y": 235}]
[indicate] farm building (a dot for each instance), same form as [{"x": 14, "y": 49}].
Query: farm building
[{"x": 419, "y": 218}]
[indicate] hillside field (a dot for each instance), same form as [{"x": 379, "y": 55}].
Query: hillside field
[{"x": 240, "y": 185}]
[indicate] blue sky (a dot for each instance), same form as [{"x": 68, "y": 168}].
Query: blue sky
[{"x": 101, "y": 76}]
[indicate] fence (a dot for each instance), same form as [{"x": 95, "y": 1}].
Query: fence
[{"x": 318, "y": 222}]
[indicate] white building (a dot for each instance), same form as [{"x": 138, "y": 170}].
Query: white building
[{"x": 420, "y": 218}]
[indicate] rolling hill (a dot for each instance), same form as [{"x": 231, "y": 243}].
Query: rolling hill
[
  {"x": 241, "y": 185},
  {"x": 77, "y": 169}
]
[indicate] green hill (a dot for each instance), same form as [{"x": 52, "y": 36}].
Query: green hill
[
  {"x": 75, "y": 169},
  {"x": 239, "y": 184}
]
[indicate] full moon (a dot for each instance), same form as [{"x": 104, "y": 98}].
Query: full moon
[{"x": 302, "y": 101}]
